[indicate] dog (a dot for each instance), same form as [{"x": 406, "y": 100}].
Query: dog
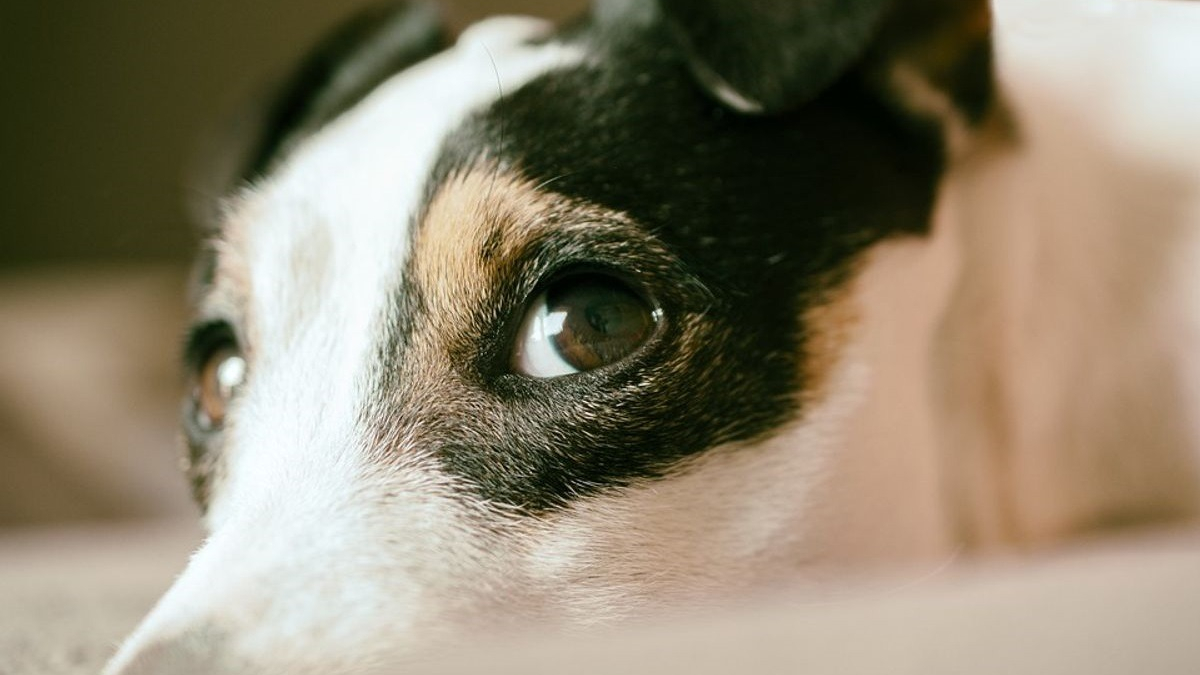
[{"x": 566, "y": 326}]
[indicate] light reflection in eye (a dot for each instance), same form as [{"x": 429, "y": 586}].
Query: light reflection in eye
[
  {"x": 220, "y": 377},
  {"x": 581, "y": 323}
]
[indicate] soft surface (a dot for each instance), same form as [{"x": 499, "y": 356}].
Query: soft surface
[
  {"x": 1116, "y": 606},
  {"x": 68, "y": 595},
  {"x": 1119, "y": 607}
]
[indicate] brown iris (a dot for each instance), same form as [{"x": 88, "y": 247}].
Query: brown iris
[
  {"x": 583, "y": 322},
  {"x": 219, "y": 377}
]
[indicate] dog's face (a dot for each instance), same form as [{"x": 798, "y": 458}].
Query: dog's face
[{"x": 542, "y": 326}]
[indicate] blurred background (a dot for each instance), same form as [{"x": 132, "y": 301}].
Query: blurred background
[{"x": 105, "y": 106}]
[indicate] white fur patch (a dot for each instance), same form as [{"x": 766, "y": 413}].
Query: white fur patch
[{"x": 301, "y": 529}]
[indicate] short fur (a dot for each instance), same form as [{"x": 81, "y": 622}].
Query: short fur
[{"x": 386, "y": 483}]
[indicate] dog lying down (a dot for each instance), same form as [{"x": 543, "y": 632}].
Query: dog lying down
[{"x": 677, "y": 304}]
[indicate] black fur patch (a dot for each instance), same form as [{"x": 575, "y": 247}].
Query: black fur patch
[{"x": 757, "y": 219}]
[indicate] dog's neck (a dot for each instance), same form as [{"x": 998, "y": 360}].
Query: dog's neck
[
  {"x": 1050, "y": 363},
  {"x": 1065, "y": 367}
]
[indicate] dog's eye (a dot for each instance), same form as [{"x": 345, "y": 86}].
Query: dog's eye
[
  {"x": 219, "y": 379},
  {"x": 220, "y": 373},
  {"x": 582, "y": 322}
]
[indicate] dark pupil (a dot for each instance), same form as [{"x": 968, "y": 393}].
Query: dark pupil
[{"x": 605, "y": 321}]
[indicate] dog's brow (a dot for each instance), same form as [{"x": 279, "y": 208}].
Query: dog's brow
[
  {"x": 220, "y": 284},
  {"x": 487, "y": 228}
]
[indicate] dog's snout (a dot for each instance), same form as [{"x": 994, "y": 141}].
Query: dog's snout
[{"x": 194, "y": 652}]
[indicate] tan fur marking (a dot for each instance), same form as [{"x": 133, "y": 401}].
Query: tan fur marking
[
  {"x": 470, "y": 211},
  {"x": 477, "y": 224},
  {"x": 829, "y": 326}
]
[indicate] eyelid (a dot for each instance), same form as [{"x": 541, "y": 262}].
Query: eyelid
[
  {"x": 203, "y": 338},
  {"x": 610, "y": 246},
  {"x": 633, "y": 281}
]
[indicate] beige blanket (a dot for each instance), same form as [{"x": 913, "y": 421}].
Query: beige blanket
[{"x": 1108, "y": 607}]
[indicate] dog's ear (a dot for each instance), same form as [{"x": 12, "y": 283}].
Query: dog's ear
[
  {"x": 338, "y": 72},
  {"x": 771, "y": 56},
  {"x": 764, "y": 56}
]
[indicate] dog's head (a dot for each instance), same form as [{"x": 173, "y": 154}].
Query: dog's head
[{"x": 557, "y": 326}]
